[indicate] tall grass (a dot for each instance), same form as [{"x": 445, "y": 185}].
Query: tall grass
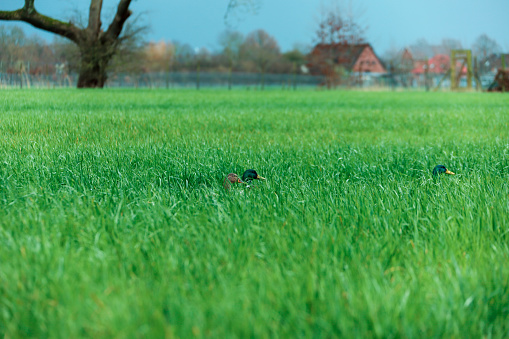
[{"x": 114, "y": 221}]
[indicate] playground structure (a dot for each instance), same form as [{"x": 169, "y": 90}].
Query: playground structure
[
  {"x": 465, "y": 57},
  {"x": 461, "y": 65},
  {"x": 501, "y": 82}
]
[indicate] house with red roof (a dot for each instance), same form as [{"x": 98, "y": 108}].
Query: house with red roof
[
  {"x": 343, "y": 59},
  {"x": 438, "y": 64}
]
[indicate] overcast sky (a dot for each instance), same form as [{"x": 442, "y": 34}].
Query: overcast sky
[{"x": 391, "y": 23}]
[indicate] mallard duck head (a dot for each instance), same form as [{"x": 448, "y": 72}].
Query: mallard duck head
[
  {"x": 251, "y": 174},
  {"x": 441, "y": 169}
]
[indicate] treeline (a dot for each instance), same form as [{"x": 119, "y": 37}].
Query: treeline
[
  {"x": 30, "y": 54},
  {"x": 256, "y": 52}
]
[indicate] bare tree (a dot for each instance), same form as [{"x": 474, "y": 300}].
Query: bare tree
[
  {"x": 231, "y": 42},
  {"x": 422, "y": 50},
  {"x": 183, "y": 55},
  {"x": 449, "y": 44},
  {"x": 11, "y": 42},
  {"x": 261, "y": 49},
  {"x": 236, "y": 6},
  {"x": 484, "y": 46},
  {"x": 96, "y": 46}
]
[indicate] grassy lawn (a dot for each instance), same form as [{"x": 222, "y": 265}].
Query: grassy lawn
[{"x": 114, "y": 221}]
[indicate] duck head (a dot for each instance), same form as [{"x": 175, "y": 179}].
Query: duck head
[
  {"x": 251, "y": 174},
  {"x": 441, "y": 169}
]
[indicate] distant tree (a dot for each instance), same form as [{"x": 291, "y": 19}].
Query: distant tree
[
  {"x": 484, "y": 46},
  {"x": 292, "y": 60},
  {"x": 448, "y": 44},
  {"x": 295, "y": 56},
  {"x": 392, "y": 54},
  {"x": 422, "y": 50},
  {"x": 183, "y": 56},
  {"x": 340, "y": 25},
  {"x": 231, "y": 41},
  {"x": 262, "y": 50},
  {"x": 18, "y": 49},
  {"x": 202, "y": 62},
  {"x": 37, "y": 54},
  {"x": 158, "y": 56},
  {"x": 302, "y": 48},
  {"x": 66, "y": 52},
  {"x": 12, "y": 39},
  {"x": 203, "y": 59}
]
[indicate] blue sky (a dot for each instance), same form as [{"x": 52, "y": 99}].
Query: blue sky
[{"x": 391, "y": 23}]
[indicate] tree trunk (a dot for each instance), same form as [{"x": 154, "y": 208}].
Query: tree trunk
[
  {"x": 93, "y": 77},
  {"x": 94, "y": 63}
]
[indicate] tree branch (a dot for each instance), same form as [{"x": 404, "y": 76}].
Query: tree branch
[
  {"x": 94, "y": 17},
  {"x": 121, "y": 16},
  {"x": 29, "y": 15},
  {"x": 247, "y": 5},
  {"x": 29, "y": 6}
]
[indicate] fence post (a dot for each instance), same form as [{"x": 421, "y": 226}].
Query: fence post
[
  {"x": 294, "y": 75},
  {"x": 198, "y": 75},
  {"x": 230, "y": 76}
]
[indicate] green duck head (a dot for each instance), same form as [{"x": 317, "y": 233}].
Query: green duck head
[
  {"x": 441, "y": 169},
  {"x": 251, "y": 174}
]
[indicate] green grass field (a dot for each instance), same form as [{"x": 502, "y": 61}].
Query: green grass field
[{"x": 114, "y": 221}]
